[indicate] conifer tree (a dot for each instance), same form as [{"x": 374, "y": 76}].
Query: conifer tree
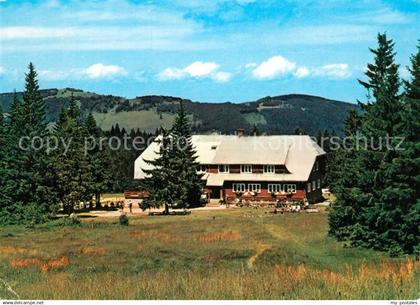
[
  {"x": 185, "y": 160},
  {"x": 74, "y": 172},
  {"x": 377, "y": 196},
  {"x": 29, "y": 175},
  {"x": 99, "y": 160},
  {"x": 173, "y": 180},
  {"x": 398, "y": 179},
  {"x": 159, "y": 181}
]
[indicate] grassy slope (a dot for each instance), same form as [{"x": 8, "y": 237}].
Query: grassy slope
[
  {"x": 149, "y": 120},
  {"x": 234, "y": 254}
]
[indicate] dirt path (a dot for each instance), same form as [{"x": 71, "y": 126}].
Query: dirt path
[
  {"x": 136, "y": 211},
  {"x": 261, "y": 248}
]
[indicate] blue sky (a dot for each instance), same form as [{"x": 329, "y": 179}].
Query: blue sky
[{"x": 214, "y": 51}]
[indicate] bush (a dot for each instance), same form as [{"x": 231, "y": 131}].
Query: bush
[
  {"x": 395, "y": 251},
  {"x": 123, "y": 220},
  {"x": 72, "y": 220}
]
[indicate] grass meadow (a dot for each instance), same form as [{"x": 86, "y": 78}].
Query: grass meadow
[{"x": 224, "y": 254}]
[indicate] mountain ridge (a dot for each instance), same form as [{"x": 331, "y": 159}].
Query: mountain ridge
[{"x": 280, "y": 114}]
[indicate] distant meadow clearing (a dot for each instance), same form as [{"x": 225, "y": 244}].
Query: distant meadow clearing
[{"x": 232, "y": 254}]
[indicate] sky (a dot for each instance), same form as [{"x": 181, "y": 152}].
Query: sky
[{"x": 209, "y": 51}]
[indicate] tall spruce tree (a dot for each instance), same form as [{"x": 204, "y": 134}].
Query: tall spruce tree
[
  {"x": 173, "y": 180},
  {"x": 4, "y": 198},
  {"x": 74, "y": 172},
  {"x": 159, "y": 181},
  {"x": 397, "y": 201},
  {"x": 185, "y": 160},
  {"x": 376, "y": 203},
  {"x": 99, "y": 160},
  {"x": 30, "y": 178}
]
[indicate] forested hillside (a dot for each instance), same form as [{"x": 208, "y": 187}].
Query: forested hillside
[{"x": 272, "y": 115}]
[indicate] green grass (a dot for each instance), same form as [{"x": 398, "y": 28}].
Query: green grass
[
  {"x": 148, "y": 120},
  {"x": 232, "y": 254}
]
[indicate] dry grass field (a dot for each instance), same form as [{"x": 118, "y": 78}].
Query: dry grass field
[{"x": 229, "y": 254}]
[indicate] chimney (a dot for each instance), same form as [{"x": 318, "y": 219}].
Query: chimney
[{"x": 240, "y": 132}]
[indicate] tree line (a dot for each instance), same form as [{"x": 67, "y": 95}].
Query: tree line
[
  {"x": 36, "y": 183},
  {"x": 377, "y": 187}
]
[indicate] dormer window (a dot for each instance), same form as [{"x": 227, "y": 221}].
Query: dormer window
[
  {"x": 269, "y": 169},
  {"x": 213, "y": 147},
  {"x": 246, "y": 168}
]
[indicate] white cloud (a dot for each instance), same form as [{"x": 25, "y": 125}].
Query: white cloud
[
  {"x": 197, "y": 69},
  {"x": 333, "y": 71},
  {"x": 272, "y": 67},
  {"x": 302, "y": 72},
  {"x": 171, "y": 73},
  {"x": 51, "y": 75},
  {"x": 277, "y": 66},
  {"x": 222, "y": 77},
  {"x": 251, "y": 65},
  {"x": 100, "y": 71},
  {"x": 94, "y": 71}
]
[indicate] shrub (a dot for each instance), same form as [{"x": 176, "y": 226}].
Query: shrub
[
  {"x": 72, "y": 220},
  {"x": 395, "y": 251},
  {"x": 123, "y": 220}
]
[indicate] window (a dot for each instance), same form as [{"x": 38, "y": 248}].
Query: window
[
  {"x": 238, "y": 187},
  {"x": 274, "y": 188},
  {"x": 202, "y": 168},
  {"x": 314, "y": 185},
  {"x": 316, "y": 167},
  {"x": 319, "y": 183},
  {"x": 269, "y": 169},
  {"x": 223, "y": 168},
  {"x": 254, "y": 187},
  {"x": 246, "y": 168},
  {"x": 309, "y": 187},
  {"x": 290, "y": 188}
]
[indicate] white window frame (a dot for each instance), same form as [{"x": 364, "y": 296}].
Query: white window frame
[
  {"x": 314, "y": 185},
  {"x": 238, "y": 187},
  {"x": 290, "y": 188},
  {"x": 269, "y": 169},
  {"x": 309, "y": 187},
  {"x": 274, "y": 188},
  {"x": 254, "y": 187},
  {"x": 225, "y": 168},
  {"x": 248, "y": 168},
  {"x": 318, "y": 182}
]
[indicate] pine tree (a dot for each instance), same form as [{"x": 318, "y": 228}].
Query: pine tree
[
  {"x": 33, "y": 105},
  {"x": 99, "y": 160},
  {"x": 29, "y": 175},
  {"x": 74, "y": 172},
  {"x": 159, "y": 181},
  {"x": 382, "y": 116},
  {"x": 73, "y": 109},
  {"x": 185, "y": 160},
  {"x": 377, "y": 203},
  {"x": 398, "y": 202},
  {"x": 2, "y": 129},
  {"x": 173, "y": 180}
]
